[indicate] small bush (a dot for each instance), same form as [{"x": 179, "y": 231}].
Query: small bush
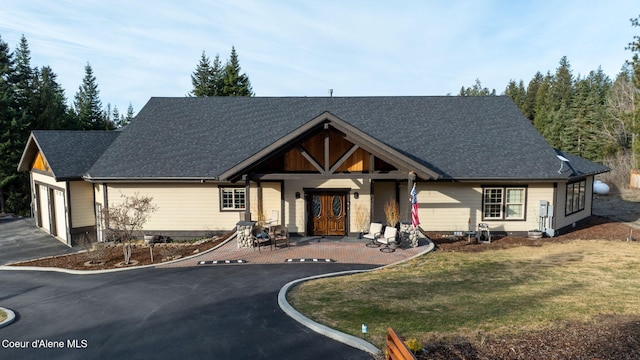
[{"x": 414, "y": 345}]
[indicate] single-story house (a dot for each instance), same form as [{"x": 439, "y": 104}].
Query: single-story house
[{"x": 310, "y": 162}]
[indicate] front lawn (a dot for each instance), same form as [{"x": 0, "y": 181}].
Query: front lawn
[{"x": 449, "y": 296}]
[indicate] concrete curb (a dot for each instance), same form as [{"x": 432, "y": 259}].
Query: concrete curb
[
  {"x": 93, "y": 272},
  {"x": 11, "y": 316},
  {"x": 327, "y": 331}
]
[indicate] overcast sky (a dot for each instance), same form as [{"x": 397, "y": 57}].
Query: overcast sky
[{"x": 142, "y": 49}]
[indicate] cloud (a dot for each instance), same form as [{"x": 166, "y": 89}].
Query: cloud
[{"x": 303, "y": 48}]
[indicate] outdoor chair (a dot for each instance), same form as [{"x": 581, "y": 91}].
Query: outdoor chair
[
  {"x": 275, "y": 218},
  {"x": 260, "y": 238},
  {"x": 280, "y": 236},
  {"x": 375, "y": 230},
  {"x": 389, "y": 239}
]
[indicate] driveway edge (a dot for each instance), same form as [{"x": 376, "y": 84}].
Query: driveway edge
[{"x": 325, "y": 330}]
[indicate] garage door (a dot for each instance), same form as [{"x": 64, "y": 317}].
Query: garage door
[
  {"x": 60, "y": 215},
  {"x": 43, "y": 206}
]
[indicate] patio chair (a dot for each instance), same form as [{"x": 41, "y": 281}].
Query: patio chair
[
  {"x": 389, "y": 239},
  {"x": 275, "y": 218},
  {"x": 375, "y": 230},
  {"x": 260, "y": 238},
  {"x": 280, "y": 236}
]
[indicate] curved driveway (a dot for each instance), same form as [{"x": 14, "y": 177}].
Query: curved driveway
[{"x": 214, "y": 312}]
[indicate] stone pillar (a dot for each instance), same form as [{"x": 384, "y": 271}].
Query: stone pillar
[
  {"x": 243, "y": 233},
  {"x": 408, "y": 234}
]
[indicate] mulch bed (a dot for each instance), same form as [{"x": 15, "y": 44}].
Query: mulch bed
[
  {"x": 112, "y": 256},
  {"x": 596, "y": 227}
]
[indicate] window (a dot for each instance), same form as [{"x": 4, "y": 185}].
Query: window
[
  {"x": 233, "y": 198},
  {"x": 506, "y": 203},
  {"x": 575, "y": 197}
]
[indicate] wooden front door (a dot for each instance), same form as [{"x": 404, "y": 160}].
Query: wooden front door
[{"x": 327, "y": 214}]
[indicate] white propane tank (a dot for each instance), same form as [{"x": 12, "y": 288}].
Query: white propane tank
[{"x": 600, "y": 188}]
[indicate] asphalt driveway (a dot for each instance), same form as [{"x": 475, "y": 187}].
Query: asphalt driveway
[
  {"x": 21, "y": 240},
  {"x": 215, "y": 312}
]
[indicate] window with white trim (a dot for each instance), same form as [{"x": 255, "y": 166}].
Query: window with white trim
[
  {"x": 233, "y": 198},
  {"x": 575, "y": 197},
  {"x": 504, "y": 203}
]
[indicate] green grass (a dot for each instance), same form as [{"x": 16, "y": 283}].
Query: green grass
[{"x": 448, "y": 295}]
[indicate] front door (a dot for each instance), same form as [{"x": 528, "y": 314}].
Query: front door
[{"x": 327, "y": 213}]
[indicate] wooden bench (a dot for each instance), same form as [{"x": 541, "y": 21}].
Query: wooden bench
[{"x": 396, "y": 349}]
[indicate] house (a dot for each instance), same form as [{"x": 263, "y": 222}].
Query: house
[{"x": 211, "y": 162}]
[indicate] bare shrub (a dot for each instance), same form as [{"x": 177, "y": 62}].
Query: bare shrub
[
  {"x": 620, "y": 165},
  {"x": 392, "y": 212},
  {"x": 126, "y": 218}
]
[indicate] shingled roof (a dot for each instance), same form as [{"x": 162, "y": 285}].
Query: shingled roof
[
  {"x": 69, "y": 153},
  {"x": 458, "y": 138}
]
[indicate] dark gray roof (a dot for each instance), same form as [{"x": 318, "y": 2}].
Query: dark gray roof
[
  {"x": 69, "y": 153},
  {"x": 460, "y": 138}
]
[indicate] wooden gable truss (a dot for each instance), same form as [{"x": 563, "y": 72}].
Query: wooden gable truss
[{"x": 327, "y": 147}]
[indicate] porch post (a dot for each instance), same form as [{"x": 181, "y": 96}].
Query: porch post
[{"x": 247, "y": 199}]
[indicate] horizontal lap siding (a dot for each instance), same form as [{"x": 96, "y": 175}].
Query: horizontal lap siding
[
  {"x": 82, "y": 207},
  {"x": 181, "y": 207},
  {"x": 458, "y": 207},
  {"x": 271, "y": 200}
]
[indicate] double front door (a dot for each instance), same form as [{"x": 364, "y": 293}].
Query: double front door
[{"x": 326, "y": 213}]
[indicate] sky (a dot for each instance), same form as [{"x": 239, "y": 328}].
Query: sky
[{"x": 144, "y": 49}]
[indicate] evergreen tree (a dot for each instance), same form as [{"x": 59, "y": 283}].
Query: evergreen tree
[
  {"x": 517, "y": 93},
  {"x": 51, "y": 110},
  {"x": 477, "y": 90},
  {"x": 529, "y": 106},
  {"x": 235, "y": 84},
  {"x": 202, "y": 79},
  {"x": 23, "y": 84},
  {"x": 14, "y": 186},
  {"x": 87, "y": 104},
  {"x": 129, "y": 117}
]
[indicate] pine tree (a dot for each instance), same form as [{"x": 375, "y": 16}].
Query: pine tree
[
  {"x": 87, "y": 104},
  {"x": 14, "y": 122},
  {"x": 477, "y": 90},
  {"x": 202, "y": 78},
  {"x": 517, "y": 93},
  {"x": 235, "y": 84},
  {"x": 529, "y": 107},
  {"x": 51, "y": 110},
  {"x": 129, "y": 117}
]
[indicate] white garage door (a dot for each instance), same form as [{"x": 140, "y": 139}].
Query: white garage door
[
  {"x": 43, "y": 197},
  {"x": 60, "y": 215}
]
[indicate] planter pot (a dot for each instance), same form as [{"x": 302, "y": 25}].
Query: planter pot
[{"x": 534, "y": 234}]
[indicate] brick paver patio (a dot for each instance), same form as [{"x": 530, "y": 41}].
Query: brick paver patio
[{"x": 338, "y": 250}]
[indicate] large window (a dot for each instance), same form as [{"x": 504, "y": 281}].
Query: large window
[
  {"x": 575, "y": 197},
  {"x": 503, "y": 203},
  {"x": 233, "y": 198}
]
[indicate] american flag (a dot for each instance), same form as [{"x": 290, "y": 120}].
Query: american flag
[{"x": 415, "y": 221}]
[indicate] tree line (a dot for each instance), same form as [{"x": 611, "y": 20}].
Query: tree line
[
  {"x": 31, "y": 98},
  {"x": 590, "y": 115}
]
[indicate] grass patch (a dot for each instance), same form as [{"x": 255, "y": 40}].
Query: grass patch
[
  {"x": 474, "y": 295},
  {"x": 3, "y": 315}
]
